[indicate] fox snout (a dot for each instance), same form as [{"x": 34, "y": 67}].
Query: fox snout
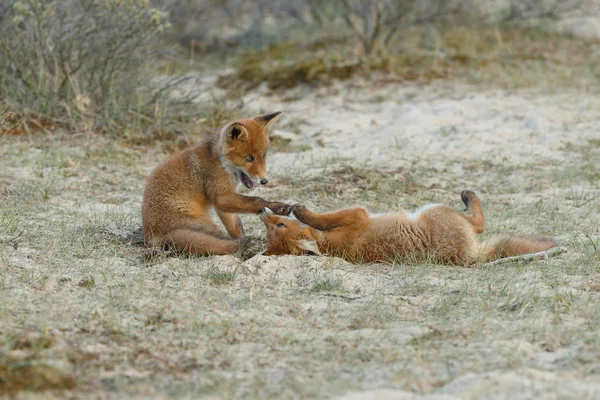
[
  {"x": 264, "y": 212},
  {"x": 264, "y": 181},
  {"x": 268, "y": 217}
]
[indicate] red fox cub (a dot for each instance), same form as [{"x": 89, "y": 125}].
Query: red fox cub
[
  {"x": 434, "y": 231},
  {"x": 182, "y": 190}
]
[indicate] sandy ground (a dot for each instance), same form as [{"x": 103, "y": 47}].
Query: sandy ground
[{"x": 76, "y": 299}]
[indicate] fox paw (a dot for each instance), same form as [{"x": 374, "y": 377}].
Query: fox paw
[
  {"x": 249, "y": 247},
  {"x": 466, "y": 196},
  {"x": 280, "y": 208},
  {"x": 299, "y": 212}
]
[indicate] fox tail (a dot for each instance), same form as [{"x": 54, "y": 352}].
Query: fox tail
[{"x": 502, "y": 246}]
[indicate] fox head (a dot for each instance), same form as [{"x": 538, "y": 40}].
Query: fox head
[
  {"x": 287, "y": 235},
  {"x": 244, "y": 146}
]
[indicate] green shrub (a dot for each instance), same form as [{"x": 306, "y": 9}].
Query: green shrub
[{"x": 74, "y": 61}]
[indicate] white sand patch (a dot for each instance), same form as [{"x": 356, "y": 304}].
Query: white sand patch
[
  {"x": 522, "y": 383},
  {"x": 413, "y": 123}
]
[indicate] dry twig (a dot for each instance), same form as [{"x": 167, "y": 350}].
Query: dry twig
[{"x": 542, "y": 255}]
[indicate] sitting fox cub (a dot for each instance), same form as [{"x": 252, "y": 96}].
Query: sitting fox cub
[
  {"x": 433, "y": 231},
  {"x": 181, "y": 191}
]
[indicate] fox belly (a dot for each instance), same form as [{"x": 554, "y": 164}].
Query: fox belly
[{"x": 433, "y": 232}]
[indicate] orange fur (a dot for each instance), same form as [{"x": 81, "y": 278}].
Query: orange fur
[
  {"x": 181, "y": 191},
  {"x": 436, "y": 231}
]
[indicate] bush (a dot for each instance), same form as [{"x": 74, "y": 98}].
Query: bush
[
  {"x": 79, "y": 60},
  {"x": 504, "y": 55}
]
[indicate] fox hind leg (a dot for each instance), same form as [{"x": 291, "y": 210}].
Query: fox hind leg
[
  {"x": 200, "y": 243},
  {"x": 474, "y": 210}
]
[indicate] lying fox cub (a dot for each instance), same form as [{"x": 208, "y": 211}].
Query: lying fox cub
[{"x": 434, "y": 231}]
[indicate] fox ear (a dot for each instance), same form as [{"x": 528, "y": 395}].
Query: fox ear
[
  {"x": 310, "y": 246},
  {"x": 267, "y": 120},
  {"x": 236, "y": 131}
]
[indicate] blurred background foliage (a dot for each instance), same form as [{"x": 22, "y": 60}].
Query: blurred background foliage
[{"x": 114, "y": 66}]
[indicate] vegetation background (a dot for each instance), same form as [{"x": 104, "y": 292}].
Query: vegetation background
[{"x": 387, "y": 104}]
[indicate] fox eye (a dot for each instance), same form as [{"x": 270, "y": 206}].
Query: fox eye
[
  {"x": 249, "y": 158},
  {"x": 280, "y": 225}
]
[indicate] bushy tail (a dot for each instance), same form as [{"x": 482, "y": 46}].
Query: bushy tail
[{"x": 502, "y": 246}]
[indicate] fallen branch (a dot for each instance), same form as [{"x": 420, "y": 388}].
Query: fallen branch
[
  {"x": 542, "y": 255},
  {"x": 2, "y": 118},
  {"x": 345, "y": 297}
]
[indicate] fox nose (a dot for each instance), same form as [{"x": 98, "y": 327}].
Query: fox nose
[
  {"x": 264, "y": 181},
  {"x": 265, "y": 211}
]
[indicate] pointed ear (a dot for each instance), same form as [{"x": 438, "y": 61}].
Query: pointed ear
[
  {"x": 267, "y": 120},
  {"x": 310, "y": 246},
  {"x": 236, "y": 131}
]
